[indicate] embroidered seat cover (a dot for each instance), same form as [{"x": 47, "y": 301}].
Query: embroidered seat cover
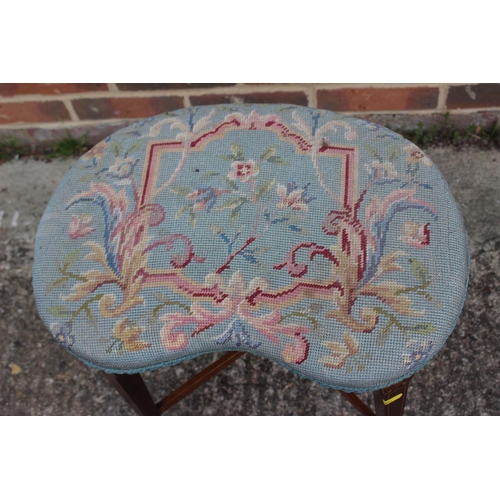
[{"x": 325, "y": 243}]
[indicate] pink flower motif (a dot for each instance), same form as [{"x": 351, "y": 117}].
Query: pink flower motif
[
  {"x": 200, "y": 206},
  {"x": 243, "y": 170},
  {"x": 415, "y": 155},
  {"x": 97, "y": 152},
  {"x": 80, "y": 226},
  {"x": 415, "y": 234},
  {"x": 291, "y": 198}
]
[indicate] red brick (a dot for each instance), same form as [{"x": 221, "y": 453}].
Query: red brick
[
  {"x": 169, "y": 86},
  {"x": 33, "y": 112},
  {"x": 11, "y": 89},
  {"x": 298, "y": 98},
  {"x": 126, "y": 107},
  {"x": 378, "y": 99},
  {"x": 482, "y": 95}
]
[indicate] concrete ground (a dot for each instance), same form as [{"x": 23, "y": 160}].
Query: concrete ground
[{"x": 37, "y": 377}]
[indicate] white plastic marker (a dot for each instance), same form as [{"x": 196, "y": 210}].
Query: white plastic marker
[{"x": 14, "y": 219}]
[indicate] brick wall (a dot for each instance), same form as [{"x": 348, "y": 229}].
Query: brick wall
[{"x": 40, "y": 113}]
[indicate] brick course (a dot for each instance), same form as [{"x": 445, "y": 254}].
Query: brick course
[
  {"x": 169, "y": 86},
  {"x": 33, "y": 112},
  {"x": 298, "y": 98},
  {"x": 11, "y": 89},
  {"x": 42, "y": 110},
  {"x": 474, "y": 96},
  {"x": 378, "y": 99},
  {"x": 101, "y": 109}
]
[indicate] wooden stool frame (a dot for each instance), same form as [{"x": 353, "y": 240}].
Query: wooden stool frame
[{"x": 389, "y": 401}]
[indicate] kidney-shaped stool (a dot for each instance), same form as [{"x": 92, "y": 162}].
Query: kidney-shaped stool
[{"x": 327, "y": 244}]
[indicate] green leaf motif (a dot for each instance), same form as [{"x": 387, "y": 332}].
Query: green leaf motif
[
  {"x": 160, "y": 297},
  {"x": 153, "y": 318},
  {"x": 283, "y": 108},
  {"x": 300, "y": 315},
  {"x": 192, "y": 219},
  {"x": 422, "y": 329},
  {"x": 232, "y": 203},
  {"x": 56, "y": 283},
  {"x": 181, "y": 210},
  {"x": 420, "y": 271},
  {"x": 115, "y": 148},
  {"x": 373, "y": 151},
  {"x": 60, "y": 311},
  {"x": 393, "y": 152},
  {"x": 181, "y": 191},
  {"x": 226, "y": 157},
  {"x": 265, "y": 187},
  {"x": 70, "y": 258},
  {"x": 268, "y": 153},
  {"x": 233, "y": 215},
  {"x": 383, "y": 335},
  {"x": 91, "y": 318},
  {"x": 237, "y": 151},
  {"x": 276, "y": 160},
  {"x": 87, "y": 178},
  {"x": 231, "y": 184},
  {"x": 210, "y": 174},
  {"x": 135, "y": 147}
]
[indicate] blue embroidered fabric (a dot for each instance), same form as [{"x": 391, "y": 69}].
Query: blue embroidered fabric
[{"x": 325, "y": 243}]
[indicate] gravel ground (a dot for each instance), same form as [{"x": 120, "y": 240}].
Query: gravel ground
[{"x": 37, "y": 377}]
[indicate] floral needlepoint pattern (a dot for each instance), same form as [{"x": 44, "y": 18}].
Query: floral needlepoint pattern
[
  {"x": 97, "y": 152},
  {"x": 415, "y": 234},
  {"x": 129, "y": 335},
  {"x": 80, "y": 226},
  {"x": 415, "y": 155},
  {"x": 122, "y": 168},
  {"x": 340, "y": 351},
  {"x": 416, "y": 353},
  {"x": 62, "y": 333},
  {"x": 237, "y": 335},
  {"x": 293, "y": 197},
  {"x": 243, "y": 170},
  {"x": 205, "y": 197},
  {"x": 382, "y": 171},
  {"x": 320, "y": 241}
]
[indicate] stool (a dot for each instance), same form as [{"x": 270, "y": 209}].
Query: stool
[{"x": 327, "y": 244}]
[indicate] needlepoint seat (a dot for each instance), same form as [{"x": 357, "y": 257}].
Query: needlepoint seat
[{"x": 325, "y": 243}]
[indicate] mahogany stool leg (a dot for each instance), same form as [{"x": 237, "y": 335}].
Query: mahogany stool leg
[
  {"x": 133, "y": 389},
  {"x": 358, "y": 404},
  {"x": 390, "y": 401}
]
